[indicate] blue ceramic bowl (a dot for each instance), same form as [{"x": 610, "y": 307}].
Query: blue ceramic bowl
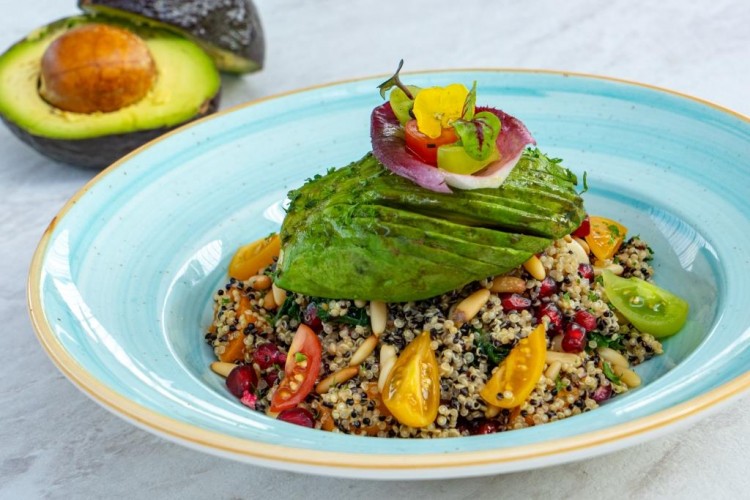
[{"x": 121, "y": 283}]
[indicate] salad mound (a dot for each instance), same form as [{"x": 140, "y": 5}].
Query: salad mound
[{"x": 449, "y": 283}]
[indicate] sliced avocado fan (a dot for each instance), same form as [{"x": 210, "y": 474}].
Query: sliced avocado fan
[{"x": 361, "y": 232}]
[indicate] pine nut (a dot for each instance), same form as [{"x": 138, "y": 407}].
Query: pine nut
[
  {"x": 269, "y": 302},
  {"x": 260, "y": 282},
  {"x": 564, "y": 358},
  {"x": 568, "y": 238},
  {"x": 628, "y": 377},
  {"x": 336, "y": 378},
  {"x": 360, "y": 303},
  {"x": 535, "y": 268},
  {"x": 222, "y": 368},
  {"x": 553, "y": 371},
  {"x": 378, "y": 316},
  {"x": 614, "y": 357},
  {"x": 387, "y": 360},
  {"x": 583, "y": 244},
  {"x": 279, "y": 294},
  {"x": 508, "y": 284},
  {"x": 470, "y": 306},
  {"x": 580, "y": 253},
  {"x": 364, "y": 350},
  {"x": 617, "y": 269}
]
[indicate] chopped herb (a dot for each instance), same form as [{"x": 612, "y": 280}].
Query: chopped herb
[
  {"x": 300, "y": 357},
  {"x": 495, "y": 355},
  {"x": 604, "y": 341},
  {"x": 607, "y": 369},
  {"x": 354, "y": 316},
  {"x": 566, "y": 296},
  {"x": 585, "y": 183},
  {"x": 289, "y": 308},
  {"x": 614, "y": 229},
  {"x": 599, "y": 279},
  {"x": 559, "y": 385},
  {"x": 593, "y": 296},
  {"x": 225, "y": 301}
]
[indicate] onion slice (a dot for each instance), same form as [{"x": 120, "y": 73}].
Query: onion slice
[{"x": 389, "y": 147}]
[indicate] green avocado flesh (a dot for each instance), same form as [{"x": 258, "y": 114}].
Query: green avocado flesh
[
  {"x": 361, "y": 232},
  {"x": 186, "y": 81}
]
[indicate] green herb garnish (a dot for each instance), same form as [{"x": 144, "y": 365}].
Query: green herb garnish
[
  {"x": 495, "y": 355},
  {"x": 395, "y": 81},
  {"x": 604, "y": 341},
  {"x": 300, "y": 357},
  {"x": 559, "y": 385},
  {"x": 607, "y": 369}
]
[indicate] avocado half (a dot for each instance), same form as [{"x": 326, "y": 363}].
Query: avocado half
[
  {"x": 187, "y": 87},
  {"x": 230, "y": 30}
]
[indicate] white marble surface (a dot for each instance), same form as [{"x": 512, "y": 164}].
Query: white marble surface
[{"x": 54, "y": 442}]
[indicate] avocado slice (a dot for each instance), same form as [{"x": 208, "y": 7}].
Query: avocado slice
[
  {"x": 361, "y": 232},
  {"x": 230, "y": 30},
  {"x": 187, "y": 87}
]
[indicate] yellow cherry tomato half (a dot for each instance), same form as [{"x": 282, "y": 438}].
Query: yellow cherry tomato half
[
  {"x": 606, "y": 237},
  {"x": 250, "y": 259},
  {"x": 412, "y": 390},
  {"x": 518, "y": 374}
]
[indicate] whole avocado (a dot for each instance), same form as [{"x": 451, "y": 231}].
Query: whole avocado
[
  {"x": 229, "y": 30},
  {"x": 185, "y": 85}
]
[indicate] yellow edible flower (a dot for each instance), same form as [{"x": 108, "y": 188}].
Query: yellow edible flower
[{"x": 436, "y": 107}]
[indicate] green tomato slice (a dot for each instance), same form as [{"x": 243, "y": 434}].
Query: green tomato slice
[
  {"x": 648, "y": 307},
  {"x": 454, "y": 158},
  {"x": 401, "y": 104}
]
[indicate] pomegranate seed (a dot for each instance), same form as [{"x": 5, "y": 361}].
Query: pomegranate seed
[
  {"x": 265, "y": 355},
  {"x": 602, "y": 393},
  {"x": 249, "y": 399},
  {"x": 553, "y": 313},
  {"x": 271, "y": 377},
  {"x": 280, "y": 358},
  {"x": 584, "y": 229},
  {"x": 297, "y": 416},
  {"x": 514, "y": 302},
  {"x": 485, "y": 427},
  {"x": 310, "y": 317},
  {"x": 586, "y": 271},
  {"x": 586, "y": 320},
  {"x": 241, "y": 379},
  {"x": 548, "y": 287},
  {"x": 574, "y": 339}
]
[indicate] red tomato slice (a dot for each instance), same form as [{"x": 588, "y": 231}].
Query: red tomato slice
[
  {"x": 300, "y": 372},
  {"x": 423, "y": 147}
]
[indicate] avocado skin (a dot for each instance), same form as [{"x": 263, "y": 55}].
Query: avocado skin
[
  {"x": 231, "y": 26},
  {"x": 98, "y": 152},
  {"x": 361, "y": 232}
]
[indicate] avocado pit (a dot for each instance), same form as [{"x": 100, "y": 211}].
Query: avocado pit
[{"x": 96, "y": 68}]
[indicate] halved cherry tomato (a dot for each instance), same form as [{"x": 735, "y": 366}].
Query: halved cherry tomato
[
  {"x": 519, "y": 372},
  {"x": 649, "y": 308},
  {"x": 605, "y": 237},
  {"x": 423, "y": 147},
  {"x": 300, "y": 372},
  {"x": 251, "y": 258},
  {"x": 412, "y": 390}
]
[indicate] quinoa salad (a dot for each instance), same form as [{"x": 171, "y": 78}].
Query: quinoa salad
[
  {"x": 568, "y": 290},
  {"x": 448, "y": 283}
]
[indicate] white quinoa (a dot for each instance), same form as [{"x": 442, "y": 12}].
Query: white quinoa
[{"x": 464, "y": 367}]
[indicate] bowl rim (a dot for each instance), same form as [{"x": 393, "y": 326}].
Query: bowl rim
[{"x": 250, "y": 450}]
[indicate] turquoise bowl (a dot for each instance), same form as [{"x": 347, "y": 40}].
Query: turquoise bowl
[{"x": 121, "y": 283}]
